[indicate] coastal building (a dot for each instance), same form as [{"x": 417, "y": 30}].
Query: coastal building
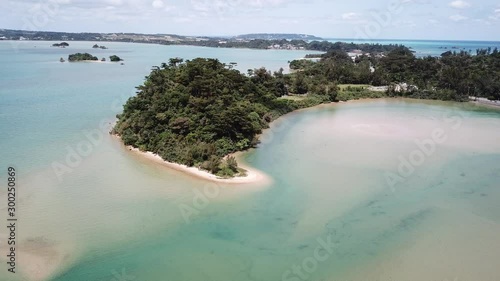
[{"x": 357, "y": 53}]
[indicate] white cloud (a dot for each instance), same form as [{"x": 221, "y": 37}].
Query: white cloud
[
  {"x": 496, "y": 15},
  {"x": 459, "y": 4},
  {"x": 350, "y": 16},
  {"x": 170, "y": 8},
  {"x": 458, "y": 17},
  {"x": 264, "y": 3},
  {"x": 229, "y": 17},
  {"x": 223, "y": 7},
  {"x": 157, "y": 4},
  {"x": 114, "y": 2}
]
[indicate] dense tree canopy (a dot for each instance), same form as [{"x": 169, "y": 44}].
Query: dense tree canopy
[
  {"x": 115, "y": 58},
  {"x": 62, "y": 44},
  {"x": 453, "y": 76},
  {"x": 81, "y": 57},
  {"x": 198, "y": 111}
]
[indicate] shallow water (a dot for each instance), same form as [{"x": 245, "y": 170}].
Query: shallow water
[{"x": 116, "y": 216}]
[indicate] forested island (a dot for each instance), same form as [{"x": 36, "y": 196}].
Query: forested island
[
  {"x": 199, "y": 111},
  {"x": 61, "y": 45},
  {"x": 81, "y": 57},
  {"x": 196, "y": 112},
  {"x": 115, "y": 58},
  {"x": 99, "y": 47},
  {"x": 89, "y": 57}
]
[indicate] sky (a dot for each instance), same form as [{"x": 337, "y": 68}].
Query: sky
[{"x": 359, "y": 19}]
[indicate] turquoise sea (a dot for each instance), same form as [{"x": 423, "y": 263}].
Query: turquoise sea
[{"x": 379, "y": 190}]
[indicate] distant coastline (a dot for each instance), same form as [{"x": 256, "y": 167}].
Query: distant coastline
[{"x": 261, "y": 41}]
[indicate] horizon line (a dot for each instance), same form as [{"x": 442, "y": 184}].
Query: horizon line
[{"x": 325, "y": 38}]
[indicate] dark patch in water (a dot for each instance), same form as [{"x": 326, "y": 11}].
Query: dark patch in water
[
  {"x": 339, "y": 230},
  {"x": 372, "y": 246},
  {"x": 222, "y": 233},
  {"x": 462, "y": 174},
  {"x": 302, "y": 247},
  {"x": 371, "y": 253},
  {"x": 279, "y": 219},
  {"x": 484, "y": 195},
  {"x": 412, "y": 220}
]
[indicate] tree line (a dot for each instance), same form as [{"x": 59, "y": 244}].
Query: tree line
[
  {"x": 198, "y": 111},
  {"x": 452, "y": 76}
]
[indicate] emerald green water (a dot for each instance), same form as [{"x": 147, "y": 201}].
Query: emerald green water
[{"x": 117, "y": 216}]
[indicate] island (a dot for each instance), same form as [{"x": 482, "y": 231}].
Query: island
[
  {"x": 199, "y": 112},
  {"x": 61, "y": 45},
  {"x": 99, "y": 47},
  {"x": 81, "y": 57},
  {"x": 115, "y": 58}
]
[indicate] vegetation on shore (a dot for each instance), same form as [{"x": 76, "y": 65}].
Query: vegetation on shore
[
  {"x": 277, "y": 36},
  {"x": 197, "y": 112},
  {"x": 81, "y": 57},
  {"x": 294, "y": 44},
  {"x": 251, "y": 41},
  {"x": 453, "y": 76}
]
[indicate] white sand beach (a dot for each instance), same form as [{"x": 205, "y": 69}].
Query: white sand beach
[{"x": 253, "y": 176}]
